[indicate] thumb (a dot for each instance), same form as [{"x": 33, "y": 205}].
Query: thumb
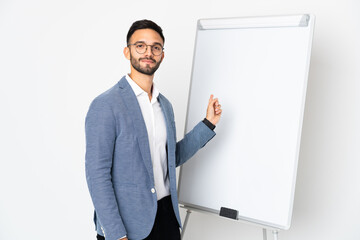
[{"x": 211, "y": 98}]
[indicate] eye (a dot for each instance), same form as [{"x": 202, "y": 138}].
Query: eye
[
  {"x": 157, "y": 47},
  {"x": 140, "y": 45}
]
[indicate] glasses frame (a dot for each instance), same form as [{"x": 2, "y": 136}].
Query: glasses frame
[{"x": 147, "y": 45}]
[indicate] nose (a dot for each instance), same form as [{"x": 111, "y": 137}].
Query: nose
[{"x": 148, "y": 51}]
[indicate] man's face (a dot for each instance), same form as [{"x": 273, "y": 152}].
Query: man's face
[{"x": 146, "y": 63}]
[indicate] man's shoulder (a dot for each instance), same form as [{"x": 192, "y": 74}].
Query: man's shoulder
[
  {"x": 109, "y": 96},
  {"x": 106, "y": 101}
]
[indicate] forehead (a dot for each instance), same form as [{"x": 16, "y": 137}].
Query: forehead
[{"x": 147, "y": 35}]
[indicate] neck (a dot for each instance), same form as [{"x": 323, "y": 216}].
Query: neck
[{"x": 144, "y": 81}]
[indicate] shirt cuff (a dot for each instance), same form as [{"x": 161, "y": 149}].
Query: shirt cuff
[
  {"x": 122, "y": 237},
  {"x": 209, "y": 124}
]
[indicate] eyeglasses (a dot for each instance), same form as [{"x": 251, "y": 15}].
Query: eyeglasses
[{"x": 141, "y": 48}]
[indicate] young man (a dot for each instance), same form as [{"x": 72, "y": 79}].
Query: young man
[{"x": 131, "y": 148}]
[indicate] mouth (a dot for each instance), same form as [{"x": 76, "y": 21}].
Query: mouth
[{"x": 148, "y": 61}]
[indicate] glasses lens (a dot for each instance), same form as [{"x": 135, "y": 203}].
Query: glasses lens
[
  {"x": 140, "y": 48},
  {"x": 156, "y": 49}
]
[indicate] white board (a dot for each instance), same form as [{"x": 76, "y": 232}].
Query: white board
[{"x": 258, "y": 68}]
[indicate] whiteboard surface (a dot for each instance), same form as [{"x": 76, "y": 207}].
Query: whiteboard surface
[{"x": 259, "y": 75}]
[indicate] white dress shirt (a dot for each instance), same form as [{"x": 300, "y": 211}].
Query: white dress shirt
[{"x": 156, "y": 129}]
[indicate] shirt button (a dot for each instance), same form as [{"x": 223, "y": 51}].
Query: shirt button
[{"x": 153, "y": 190}]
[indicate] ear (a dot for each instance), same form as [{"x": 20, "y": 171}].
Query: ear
[
  {"x": 127, "y": 53},
  {"x": 162, "y": 56}
]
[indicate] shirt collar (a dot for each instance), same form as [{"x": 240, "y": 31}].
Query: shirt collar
[{"x": 138, "y": 90}]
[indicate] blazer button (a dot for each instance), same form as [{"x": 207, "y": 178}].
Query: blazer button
[{"x": 153, "y": 190}]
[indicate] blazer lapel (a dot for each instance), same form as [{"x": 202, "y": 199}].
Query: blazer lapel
[
  {"x": 138, "y": 122},
  {"x": 166, "y": 108}
]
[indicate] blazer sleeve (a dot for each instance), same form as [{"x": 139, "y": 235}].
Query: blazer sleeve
[
  {"x": 192, "y": 142},
  {"x": 100, "y": 130}
]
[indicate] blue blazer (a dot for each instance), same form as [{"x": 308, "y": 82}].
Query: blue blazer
[{"x": 119, "y": 170}]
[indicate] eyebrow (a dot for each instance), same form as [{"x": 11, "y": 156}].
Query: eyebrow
[{"x": 148, "y": 44}]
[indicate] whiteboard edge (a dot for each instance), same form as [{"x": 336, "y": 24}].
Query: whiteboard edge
[
  {"x": 240, "y": 219},
  {"x": 307, "y": 68},
  {"x": 303, "y": 22}
]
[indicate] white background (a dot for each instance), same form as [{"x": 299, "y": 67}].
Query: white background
[{"x": 56, "y": 56}]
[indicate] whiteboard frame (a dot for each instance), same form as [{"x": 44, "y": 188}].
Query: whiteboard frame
[{"x": 306, "y": 20}]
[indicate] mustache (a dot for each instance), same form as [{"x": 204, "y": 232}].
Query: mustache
[{"x": 151, "y": 59}]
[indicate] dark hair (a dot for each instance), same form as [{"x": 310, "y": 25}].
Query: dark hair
[{"x": 143, "y": 24}]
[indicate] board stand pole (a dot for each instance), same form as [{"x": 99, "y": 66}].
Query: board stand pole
[
  {"x": 275, "y": 234},
  {"x": 188, "y": 212},
  {"x": 264, "y": 234}
]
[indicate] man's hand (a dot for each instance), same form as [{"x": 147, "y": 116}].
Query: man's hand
[{"x": 213, "y": 112}]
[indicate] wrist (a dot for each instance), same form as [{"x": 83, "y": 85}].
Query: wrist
[{"x": 209, "y": 124}]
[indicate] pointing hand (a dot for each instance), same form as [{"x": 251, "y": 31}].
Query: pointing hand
[{"x": 214, "y": 110}]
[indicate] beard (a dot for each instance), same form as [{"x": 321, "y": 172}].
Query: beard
[{"x": 147, "y": 70}]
